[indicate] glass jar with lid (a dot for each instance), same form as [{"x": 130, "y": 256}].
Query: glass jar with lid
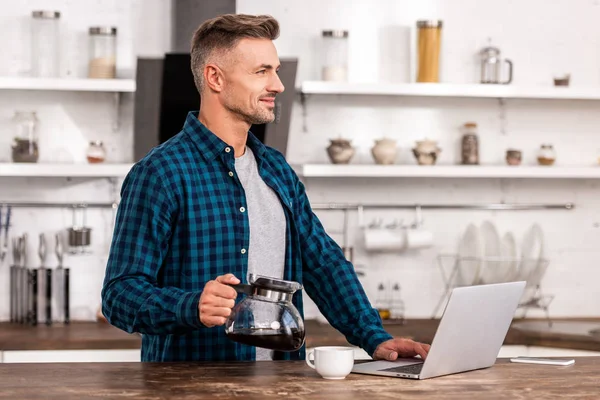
[
  {"x": 103, "y": 52},
  {"x": 335, "y": 56},
  {"x": 25, "y": 142},
  {"x": 546, "y": 155},
  {"x": 96, "y": 153},
  {"x": 45, "y": 43},
  {"x": 429, "y": 44},
  {"x": 470, "y": 144}
]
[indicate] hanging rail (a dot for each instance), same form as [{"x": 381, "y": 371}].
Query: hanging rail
[
  {"x": 20, "y": 204},
  {"x": 492, "y": 206}
]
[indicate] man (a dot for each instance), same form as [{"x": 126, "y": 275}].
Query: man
[{"x": 213, "y": 205}]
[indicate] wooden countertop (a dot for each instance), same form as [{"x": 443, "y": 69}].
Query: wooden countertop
[
  {"x": 75, "y": 336},
  {"x": 92, "y": 335},
  {"x": 289, "y": 379}
]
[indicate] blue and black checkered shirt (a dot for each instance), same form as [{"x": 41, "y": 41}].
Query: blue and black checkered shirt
[{"x": 179, "y": 226}]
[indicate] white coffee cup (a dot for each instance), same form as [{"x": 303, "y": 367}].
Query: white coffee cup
[{"x": 331, "y": 362}]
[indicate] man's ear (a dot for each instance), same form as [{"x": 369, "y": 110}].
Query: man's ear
[{"x": 213, "y": 77}]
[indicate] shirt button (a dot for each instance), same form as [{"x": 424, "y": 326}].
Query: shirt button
[
  {"x": 243, "y": 251},
  {"x": 230, "y": 173},
  {"x": 227, "y": 149},
  {"x": 242, "y": 209}
]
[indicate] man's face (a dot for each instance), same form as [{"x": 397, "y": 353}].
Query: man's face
[{"x": 251, "y": 81}]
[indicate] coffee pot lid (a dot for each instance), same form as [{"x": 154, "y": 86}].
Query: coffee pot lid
[{"x": 279, "y": 285}]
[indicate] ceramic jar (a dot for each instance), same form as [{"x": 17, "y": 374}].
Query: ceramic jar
[
  {"x": 340, "y": 151},
  {"x": 426, "y": 152},
  {"x": 546, "y": 155},
  {"x": 385, "y": 151},
  {"x": 513, "y": 157}
]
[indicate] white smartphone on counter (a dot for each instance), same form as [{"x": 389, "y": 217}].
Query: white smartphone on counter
[{"x": 546, "y": 361}]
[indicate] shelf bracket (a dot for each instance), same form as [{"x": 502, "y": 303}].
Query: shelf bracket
[
  {"x": 116, "y": 117},
  {"x": 303, "y": 97}
]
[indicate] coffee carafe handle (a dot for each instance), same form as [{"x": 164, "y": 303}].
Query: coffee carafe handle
[
  {"x": 243, "y": 288},
  {"x": 510, "y": 71}
]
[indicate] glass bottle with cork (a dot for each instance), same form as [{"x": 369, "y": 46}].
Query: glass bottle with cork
[{"x": 470, "y": 144}]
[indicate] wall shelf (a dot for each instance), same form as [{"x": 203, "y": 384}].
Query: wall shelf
[
  {"x": 451, "y": 90},
  {"x": 64, "y": 170},
  {"x": 445, "y": 171},
  {"x": 68, "y": 84}
]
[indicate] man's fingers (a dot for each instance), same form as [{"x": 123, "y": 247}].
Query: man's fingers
[
  {"x": 215, "y": 301},
  {"x": 209, "y": 311},
  {"x": 219, "y": 289},
  {"x": 420, "y": 350},
  {"x": 228, "y": 278},
  {"x": 214, "y": 321}
]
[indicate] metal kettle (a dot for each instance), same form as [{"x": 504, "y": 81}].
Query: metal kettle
[
  {"x": 491, "y": 66},
  {"x": 266, "y": 316}
]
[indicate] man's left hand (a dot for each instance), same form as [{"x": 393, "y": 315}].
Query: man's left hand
[{"x": 398, "y": 347}]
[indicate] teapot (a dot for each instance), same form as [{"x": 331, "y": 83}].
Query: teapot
[
  {"x": 426, "y": 152},
  {"x": 266, "y": 316}
]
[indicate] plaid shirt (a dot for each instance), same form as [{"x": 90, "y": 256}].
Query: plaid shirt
[{"x": 179, "y": 225}]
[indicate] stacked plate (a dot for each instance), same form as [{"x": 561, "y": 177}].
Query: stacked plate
[{"x": 485, "y": 257}]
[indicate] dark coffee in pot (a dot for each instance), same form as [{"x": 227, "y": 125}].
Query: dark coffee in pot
[{"x": 274, "y": 339}]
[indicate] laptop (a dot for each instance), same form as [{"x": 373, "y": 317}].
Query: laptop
[{"x": 469, "y": 336}]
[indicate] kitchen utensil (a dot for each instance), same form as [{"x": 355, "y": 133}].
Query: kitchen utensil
[
  {"x": 2, "y": 252},
  {"x": 16, "y": 254},
  {"x": 331, "y": 362},
  {"x": 509, "y": 254},
  {"x": 266, "y": 317},
  {"x": 491, "y": 271},
  {"x": 42, "y": 251},
  {"x": 470, "y": 253},
  {"x": 491, "y": 66},
  {"x": 59, "y": 250},
  {"x": 23, "y": 279},
  {"x": 79, "y": 235},
  {"x": 6, "y": 228}
]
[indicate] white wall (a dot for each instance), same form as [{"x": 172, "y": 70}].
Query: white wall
[
  {"x": 541, "y": 38},
  {"x": 68, "y": 121}
]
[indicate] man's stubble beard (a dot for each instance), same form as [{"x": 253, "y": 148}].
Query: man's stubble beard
[{"x": 259, "y": 116}]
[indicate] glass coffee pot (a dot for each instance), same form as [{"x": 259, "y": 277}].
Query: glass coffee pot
[{"x": 266, "y": 317}]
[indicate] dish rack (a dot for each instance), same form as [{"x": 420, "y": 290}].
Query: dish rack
[{"x": 459, "y": 271}]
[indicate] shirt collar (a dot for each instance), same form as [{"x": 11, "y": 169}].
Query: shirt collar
[{"x": 209, "y": 144}]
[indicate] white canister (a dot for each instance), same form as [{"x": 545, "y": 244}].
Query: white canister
[
  {"x": 45, "y": 44},
  {"x": 103, "y": 52},
  {"x": 335, "y": 56}
]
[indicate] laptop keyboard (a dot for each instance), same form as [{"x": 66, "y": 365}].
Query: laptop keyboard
[{"x": 414, "y": 369}]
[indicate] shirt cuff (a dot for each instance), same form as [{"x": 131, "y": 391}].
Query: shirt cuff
[
  {"x": 374, "y": 336},
  {"x": 187, "y": 310}
]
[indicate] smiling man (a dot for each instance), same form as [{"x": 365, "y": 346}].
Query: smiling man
[{"x": 213, "y": 205}]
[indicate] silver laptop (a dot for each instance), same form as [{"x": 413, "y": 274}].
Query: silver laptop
[{"x": 470, "y": 334}]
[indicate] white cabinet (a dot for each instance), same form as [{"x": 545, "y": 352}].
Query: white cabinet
[{"x": 58, "y": 356}]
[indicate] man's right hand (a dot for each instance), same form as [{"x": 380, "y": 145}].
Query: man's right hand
[{"x": 217, "y": 300}]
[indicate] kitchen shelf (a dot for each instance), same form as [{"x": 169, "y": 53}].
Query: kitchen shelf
[
  {"x": 64, "y": 170},
  {"x": 445, "y": 171},
  {"x": 451, "y": 90},
  {"x": 68, "y": 84}
]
